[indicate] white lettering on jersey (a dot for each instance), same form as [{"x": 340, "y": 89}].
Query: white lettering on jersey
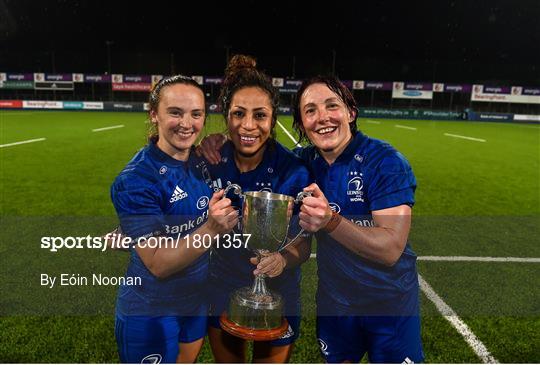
[
  {"x": 289, "y": 333},
  {"x": 364, "y": 222},
  {"x": 189, "y": 225}
]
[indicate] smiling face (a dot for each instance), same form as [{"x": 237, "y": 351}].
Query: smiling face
[
  {"x": 325, "y": 119},
  {"x": 179, "y": 118},
  {"x": 250, "y": 121}
]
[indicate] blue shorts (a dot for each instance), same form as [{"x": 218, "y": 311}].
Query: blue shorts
[
  {"x": 149, "y": 339},
  {"x": 219, "y": 302},
  {"x": 386, "y": 339}
]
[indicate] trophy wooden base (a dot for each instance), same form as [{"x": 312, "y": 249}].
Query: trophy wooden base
[{"x": 253, "y": 334}]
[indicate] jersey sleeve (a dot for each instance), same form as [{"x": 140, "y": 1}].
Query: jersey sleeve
[
  {"x": 298, "y": 151},
  {"x": 306, "y": 154},
  {"x": 392, "y": 184},
  {"x": 294, "y": 182},
  {"x": 138, "y": 207}
]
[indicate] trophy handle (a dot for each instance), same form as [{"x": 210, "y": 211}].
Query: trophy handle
[
  {"x": 301, "y": 195},
  {"x": 237, "y": 190}
]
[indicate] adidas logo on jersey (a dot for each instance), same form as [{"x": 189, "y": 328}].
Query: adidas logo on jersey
[
  {"x": 177, "y": 195},
  {"x": 217, "y": 185}
]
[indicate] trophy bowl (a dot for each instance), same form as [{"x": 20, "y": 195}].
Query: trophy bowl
[{"x": 256, "y": 313}]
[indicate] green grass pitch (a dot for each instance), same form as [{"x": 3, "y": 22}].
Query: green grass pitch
[{"x": 473, "y": 199}]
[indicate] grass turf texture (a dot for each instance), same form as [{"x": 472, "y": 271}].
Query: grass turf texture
[{"x": 473, "y": 199}]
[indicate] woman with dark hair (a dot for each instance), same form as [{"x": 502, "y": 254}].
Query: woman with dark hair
[
  {"x": 367, "y": 296},
  {"x": 161, "y": 198},
  {"x": 341, "y": 92},
  {"x": 253, "y": 159}
]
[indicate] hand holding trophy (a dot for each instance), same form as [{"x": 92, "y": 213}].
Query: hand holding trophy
[{"x": 255, "y": 313}]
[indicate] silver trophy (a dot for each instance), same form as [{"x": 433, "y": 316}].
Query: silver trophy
[{"x": 255, "y": 312}]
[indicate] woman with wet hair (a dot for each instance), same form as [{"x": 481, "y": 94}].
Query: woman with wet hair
[{"x": 360, "y": 212}]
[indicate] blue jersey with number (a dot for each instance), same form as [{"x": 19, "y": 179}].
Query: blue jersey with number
[
  {"x": 280, "y": 171},
  {"x": 156, "y": 195},
  {"x": 369, "y": 175}
]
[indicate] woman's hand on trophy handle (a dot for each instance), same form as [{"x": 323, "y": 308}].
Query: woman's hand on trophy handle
[
  {"x": 272, "y": 265},
  {"x": 222, "y": 217},
  {"x": 315, "y": 212},
  {"x": 209, "y": 147}
]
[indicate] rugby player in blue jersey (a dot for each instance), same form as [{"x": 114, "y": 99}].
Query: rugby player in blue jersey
[
  {"x": 367, "y": 296},
  {"x": 253, "y": 159},
  {"x": 159, "y": 195}
]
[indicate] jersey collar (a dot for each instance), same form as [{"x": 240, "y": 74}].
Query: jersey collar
[
  {"x": 352, "y": 147},
  {"x": 347, "y": 154},
  {"x": 162, "y": 157},
  {"x": 267, "y": 161}
]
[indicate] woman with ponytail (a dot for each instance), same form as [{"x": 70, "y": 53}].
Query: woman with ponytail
[
  {"x": 253, "y": 159},
  {"x": 162, "y": 316}
]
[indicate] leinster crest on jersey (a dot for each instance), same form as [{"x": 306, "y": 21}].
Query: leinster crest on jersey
[{"x": 355, "y": 186}]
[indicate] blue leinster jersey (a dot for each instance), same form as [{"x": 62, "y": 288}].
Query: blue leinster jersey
[
  {"x": 280, "y": 171},
  {"x": 156, "y": 195},
  {"x": 369, "y": 175}
]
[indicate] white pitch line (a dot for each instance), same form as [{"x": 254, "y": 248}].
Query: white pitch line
[
  {"x": 465, "y": 137},
  {"x": 448, "y": 313},
  {"x": 470, "y": 259},
  {"x": 21, "y": 142},
  {"x": 373, "y": 122},
  {"x": 289, "y": 134},
  {"x": 107, "y": 128},
  {"x": 23, "y": 114},
  {"x": 478, "y": 259},
  {"x": 405, "y": 127}
]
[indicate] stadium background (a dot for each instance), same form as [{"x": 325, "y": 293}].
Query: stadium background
[{"x": 476, "y": 226}]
